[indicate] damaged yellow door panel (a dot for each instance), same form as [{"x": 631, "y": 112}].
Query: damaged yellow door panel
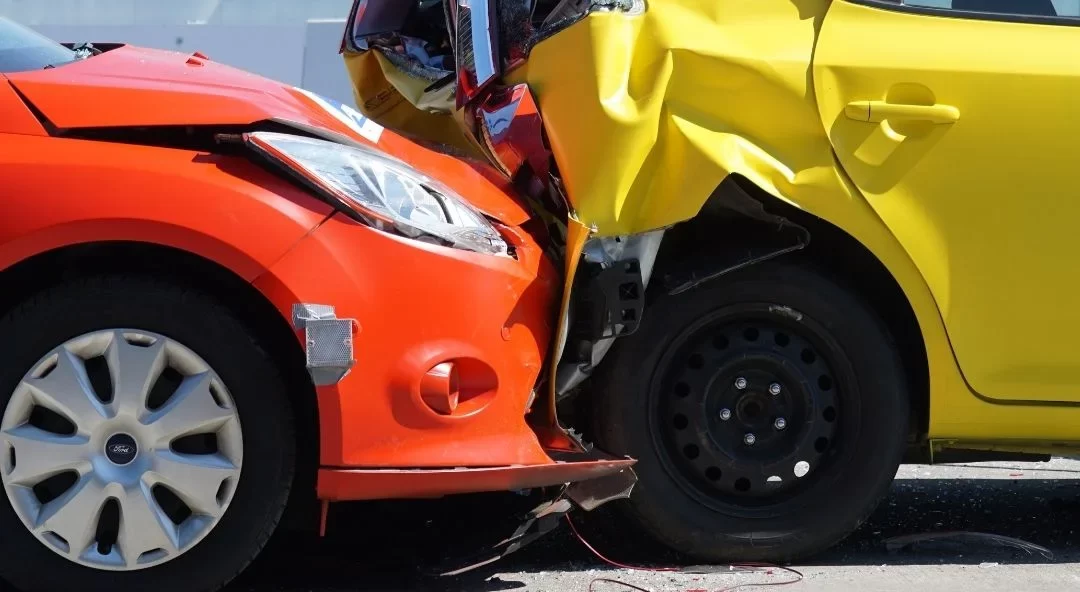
[
  {"x": 964, "y": 148},
  {"x": 656, "y": 108}
]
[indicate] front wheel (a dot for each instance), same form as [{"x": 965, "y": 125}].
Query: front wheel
[
  {"x": 767, "y": 410},
  {"x": 146, "y": 440}
]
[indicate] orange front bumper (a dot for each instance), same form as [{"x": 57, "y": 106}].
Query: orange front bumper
[{"x": 418, "y": 306}]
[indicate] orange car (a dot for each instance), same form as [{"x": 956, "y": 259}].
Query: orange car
[{"x": 225, "y": 297}]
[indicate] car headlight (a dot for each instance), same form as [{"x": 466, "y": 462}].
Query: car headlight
[{"x": 384, "y": 192}]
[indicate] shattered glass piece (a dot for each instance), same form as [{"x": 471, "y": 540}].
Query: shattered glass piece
[
  {"x": 613, "y": 5},
  {"x": 516, "y": 31},
  {"x": 567, "y": 9},
  {"x": 411, "y": 66}
]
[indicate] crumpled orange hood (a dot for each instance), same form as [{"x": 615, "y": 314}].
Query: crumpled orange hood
[{"x": 137, "y": 87}]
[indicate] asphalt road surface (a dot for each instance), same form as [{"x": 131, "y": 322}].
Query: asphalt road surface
[{"x": 387, "y": 546}]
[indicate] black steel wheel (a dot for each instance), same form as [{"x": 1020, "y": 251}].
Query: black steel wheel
[
  {"x": 746, "y": 407},
  {"x": 767, "y": 410}
]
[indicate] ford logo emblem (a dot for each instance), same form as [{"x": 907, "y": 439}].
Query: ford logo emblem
[{"x": 121, "y": 449}]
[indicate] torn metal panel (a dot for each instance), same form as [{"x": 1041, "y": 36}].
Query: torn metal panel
[
  {"x": 400, "y": 57},
  {"x": 405, "y": 103}
]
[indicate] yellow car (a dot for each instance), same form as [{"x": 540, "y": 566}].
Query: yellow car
[{"x": 851, "y": 222}]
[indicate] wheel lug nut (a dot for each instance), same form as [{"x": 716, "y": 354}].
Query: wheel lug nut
[
  {"x": 774, "y": 388},
  {"x": 749, "y": 439},
  {"x": 740, "y": 383},
  {"x": 725, "y": 414},
  {"x": 780, "y": 423}
]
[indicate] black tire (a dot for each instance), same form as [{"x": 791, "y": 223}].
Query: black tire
[
  {"x": 707, "y": 513},
  {"x": 202, "y": 324}
]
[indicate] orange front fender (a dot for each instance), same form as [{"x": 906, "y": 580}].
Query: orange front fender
[{"x": 63, "y": 192}]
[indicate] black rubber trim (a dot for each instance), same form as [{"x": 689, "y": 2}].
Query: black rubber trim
[
  {"x": 50, "y": 127},
  {"x": 898, "y": 6}
]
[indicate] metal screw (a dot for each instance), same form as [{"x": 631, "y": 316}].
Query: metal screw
[
  {"x": 749, "y": 439},
  {"x": 780, "y": 423},
  {"x": 774, "y": 388},
  {"x": 725, "y": 414},
  {"x": 740, "y": 383}
]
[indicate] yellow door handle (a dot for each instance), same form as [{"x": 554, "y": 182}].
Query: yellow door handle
[{"x": 878, "y": 111}]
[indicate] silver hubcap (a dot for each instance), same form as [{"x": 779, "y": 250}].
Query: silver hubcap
[{"x": 120, "y": 449}]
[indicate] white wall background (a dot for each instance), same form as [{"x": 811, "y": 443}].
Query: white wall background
[{"x": 294, "y": 41}]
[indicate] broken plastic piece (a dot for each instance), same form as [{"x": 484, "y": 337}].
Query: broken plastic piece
[{"x": 543, "y": 519}]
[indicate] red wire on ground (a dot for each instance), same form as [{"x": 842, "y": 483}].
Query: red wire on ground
[
  {"x": 601, "y": 557},
  {"x": 733, "y": 567}
]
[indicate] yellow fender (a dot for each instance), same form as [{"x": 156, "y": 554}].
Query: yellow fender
[{"x": 647, "y": 113}]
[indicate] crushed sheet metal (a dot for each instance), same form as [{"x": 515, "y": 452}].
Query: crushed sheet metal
[
  {"x": 705, "y": 93},
  {"x": 418, "y": 86},
  {"x": 405, "y": 103}
]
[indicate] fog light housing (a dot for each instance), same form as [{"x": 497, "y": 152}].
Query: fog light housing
[{"x": 439, "y": 388}]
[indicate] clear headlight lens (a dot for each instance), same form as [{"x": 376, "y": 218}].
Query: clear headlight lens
[{"x": 385, "y": 192}]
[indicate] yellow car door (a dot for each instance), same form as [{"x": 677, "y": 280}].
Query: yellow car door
[{"x": 959, "y": 121}]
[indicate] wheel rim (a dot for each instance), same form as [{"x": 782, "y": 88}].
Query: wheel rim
[
  {"x": 121, "y": 449},
  {"x": 747, "y": 406}
]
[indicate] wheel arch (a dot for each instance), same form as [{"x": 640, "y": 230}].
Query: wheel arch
[
  {"x": 819, "y": 242},
  {"x": 228, "y": 284}
]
